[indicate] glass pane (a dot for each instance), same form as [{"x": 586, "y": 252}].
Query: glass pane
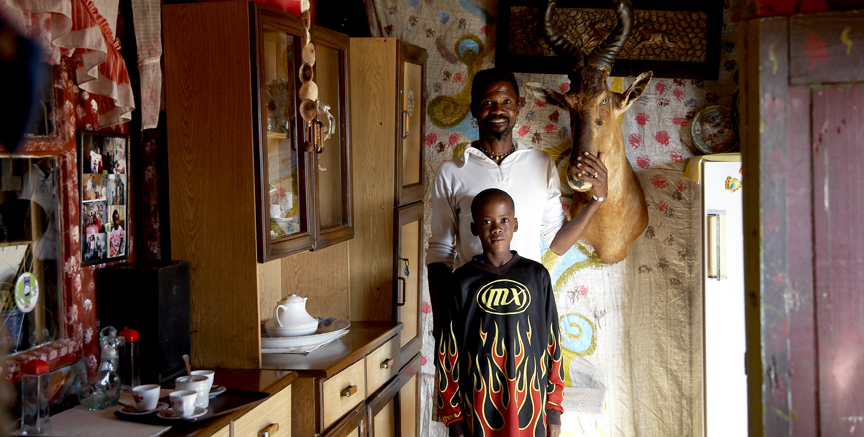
[
  {"x": 412, "y": 77},
  {"x": 43, "y": 122},
  {"x": 29, "y": 253},
  {"x": 329, "y": 162},
  {"x": 285, "y": 208}
]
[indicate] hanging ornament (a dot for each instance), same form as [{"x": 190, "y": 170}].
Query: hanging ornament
[{"x": 308, "y": 89}]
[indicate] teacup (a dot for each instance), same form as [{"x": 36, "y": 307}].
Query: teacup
[
  {"x": 197, "y": 383},
  {"x": 146, "y": 396},
  {"x": 183, "y": 402},
  {"x": 209, "y": 374}
]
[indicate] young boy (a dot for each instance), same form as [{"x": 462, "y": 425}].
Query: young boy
[{"x": 498, "y": 363}]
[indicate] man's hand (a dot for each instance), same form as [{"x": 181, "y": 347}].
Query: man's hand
[
  {"x": 553, "y": 430},
  {"x": 593, "y": 170}
]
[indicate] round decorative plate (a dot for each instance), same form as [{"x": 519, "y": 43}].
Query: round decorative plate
[
  {"x": 328, "y": 329},
  {"x": 713, "y": 131}
]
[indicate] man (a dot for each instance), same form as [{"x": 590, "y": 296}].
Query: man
[{"x": 496, "y": 160}]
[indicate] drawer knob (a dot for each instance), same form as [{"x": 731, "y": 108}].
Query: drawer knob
[
  {"x": 270, "y": 431},
  {"x": 349, "y": 391},
  {"x": 386, "y": 364}
]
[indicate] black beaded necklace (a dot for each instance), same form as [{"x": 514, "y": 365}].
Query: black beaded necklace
[{"x": 497, "y": 156}]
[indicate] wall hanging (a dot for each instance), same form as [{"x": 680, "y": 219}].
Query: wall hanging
[
  {"x": 104, "y": 193},
  {"x": 672, "y": 38}
]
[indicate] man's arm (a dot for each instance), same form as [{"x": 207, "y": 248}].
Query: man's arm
[
  {"x": 573, "y": 230},
  {"x": 445, "y": 226}
]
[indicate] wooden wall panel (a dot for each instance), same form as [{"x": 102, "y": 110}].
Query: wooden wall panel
[
  {"x": 838, "y": 135},
  {"x": 799, "y": 237},
  {"x": 822, "y": 48},
  {"x": 323, "y": 276},
  {"x": 373, "y": 129},
  {"x": 224, "y": 309},
  {"x": 764, "y": 151}
]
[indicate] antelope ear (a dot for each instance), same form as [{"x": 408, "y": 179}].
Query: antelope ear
[
  {"x": 545, "y": 95},
  {"x": 635, "y": 91}
]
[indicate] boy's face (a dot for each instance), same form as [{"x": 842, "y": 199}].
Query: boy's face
[{"x": 495, "y": 224}]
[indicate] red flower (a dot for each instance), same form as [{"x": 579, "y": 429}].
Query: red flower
[
  {"x": 431, "y": 138},
  {"x": 549, "y": 128},
  {"x": 643, "y": 161},
  {"x": 642, "y": 118},
  {"x": 565, "y": 87},
  {"x": 553, "y": 117},
  {"x": 453, "y": 139},
  {"x": 539, "y": 103},
  {"x": 457, "y": 77},
  {"x": 524, "y": 130},
  {"x": 680, "y": 185},
  {"x": 676, "y": 157},
  {"x": 678, "y": 93},
  {"x": 422, "y": 360},
  {"x": 662, "y": 137},
  {"x": 484, "y": 30},
  {"x": 660, "y": 87},
  {"x": 427, "y": 308},
  {"x": 659, "y": 181},
  {"x": 635, "y": 140},
  {"x": 678, "y": 121},
  {"x": 582, "y": 291},
  {"x": 662, "y": 206}
]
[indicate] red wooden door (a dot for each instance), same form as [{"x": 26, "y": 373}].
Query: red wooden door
[{"x": 803, "y": 143}]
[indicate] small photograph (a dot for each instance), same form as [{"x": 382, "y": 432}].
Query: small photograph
[
  {"x": 94, "y": 187},
  {"x": 118, "y": 156},
  {"x": 94, "y": 247},
  {"x": 116, "y": 189},
  {"x": 93, "y": 216},
  {"x": 92, "y": 154},
  {"x": 116, "y": 230}
]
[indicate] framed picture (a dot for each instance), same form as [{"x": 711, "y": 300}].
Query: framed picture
[
  {"x": 104, "y": 194},
  {"x": 673, "y": 38}
]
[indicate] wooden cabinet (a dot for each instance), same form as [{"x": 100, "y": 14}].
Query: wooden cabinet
[
  {"x": 387, "y": 118},
  {"x": 242, "y": 191},
  {"x": 221, "y": 135},
  {"x": 387, "y": 121},
  {"x": 272, "y": 416}
]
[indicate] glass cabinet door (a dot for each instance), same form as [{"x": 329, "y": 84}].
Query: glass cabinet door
[
  {"x": 284, "y": 218},
  {"x": 412, "y": 118},
  {"x": 332, "y": 164}
]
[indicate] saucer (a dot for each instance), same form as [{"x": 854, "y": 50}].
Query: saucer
[
  {"x": 168, "y": 413},
  {"x": 217, "y": 390},
  {"x": 328, "y": 329},
  {"x": 159, "y": 407}
]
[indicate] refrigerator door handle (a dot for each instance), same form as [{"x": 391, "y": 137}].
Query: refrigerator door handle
[{"x": 717, "y": 246}]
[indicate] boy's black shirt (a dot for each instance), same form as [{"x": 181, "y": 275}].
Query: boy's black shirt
[{"x": 500, "y": 338}]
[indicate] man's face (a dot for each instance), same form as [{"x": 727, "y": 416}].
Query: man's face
[
  {"x": 495, "y": 224},
  {"x": 497, "y": 110}
]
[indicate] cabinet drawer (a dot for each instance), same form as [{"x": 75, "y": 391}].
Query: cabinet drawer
[
  {"x": 382, "y": 364},
  {"x": 275, "y": 410},
  {"x": 343, "y": 391}
]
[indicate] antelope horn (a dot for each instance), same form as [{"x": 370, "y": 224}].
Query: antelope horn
[
  {"x": 558, "y": 42},
  {"x": 606, "y": 52}
]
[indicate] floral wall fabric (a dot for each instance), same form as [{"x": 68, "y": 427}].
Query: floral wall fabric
[{"x": 627, "y": 328}]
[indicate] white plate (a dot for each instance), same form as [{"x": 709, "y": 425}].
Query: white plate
[
  {"x": 168, "y": 413},
  {"x": 328, "y": 329},
  {"x": 159, "y": 407},
  {"x": 217, "y": 390},
  {"x": 289, "y": 331}
]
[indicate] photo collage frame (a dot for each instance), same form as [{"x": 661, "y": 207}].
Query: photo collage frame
[{"x": 104, "y": 192}]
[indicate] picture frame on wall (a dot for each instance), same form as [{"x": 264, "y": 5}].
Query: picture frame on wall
[
  {"x": 673, "y": 38},
  {"x": 104, "y": 195}
]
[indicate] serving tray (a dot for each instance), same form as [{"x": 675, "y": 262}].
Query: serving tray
[{"x": 225, "y": 403}]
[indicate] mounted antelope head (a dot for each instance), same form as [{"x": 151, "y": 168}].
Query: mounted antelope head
[{"x": 594, "y": 127}]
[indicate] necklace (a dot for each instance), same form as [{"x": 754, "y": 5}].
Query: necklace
[{"x": 497, "y": 156}]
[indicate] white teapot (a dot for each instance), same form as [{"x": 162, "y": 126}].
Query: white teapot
[{"x": 291, "y": 313}]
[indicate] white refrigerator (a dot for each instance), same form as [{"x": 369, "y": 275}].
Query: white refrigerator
[{"x": 724, "y": 380}]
